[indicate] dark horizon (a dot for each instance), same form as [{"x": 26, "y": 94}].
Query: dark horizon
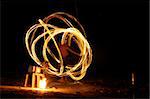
[{"x": 116, "y": 31}]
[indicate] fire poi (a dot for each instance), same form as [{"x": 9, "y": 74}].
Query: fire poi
[{"x": 54, "y": 47}]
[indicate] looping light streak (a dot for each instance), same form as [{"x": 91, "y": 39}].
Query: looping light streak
[{"x": 76, "y": 72}]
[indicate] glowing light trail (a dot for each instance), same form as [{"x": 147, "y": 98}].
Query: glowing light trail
[{"x": 68, "y": 35}]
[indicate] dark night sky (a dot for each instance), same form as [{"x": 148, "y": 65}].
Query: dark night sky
[{"x": 117, "y": 32}]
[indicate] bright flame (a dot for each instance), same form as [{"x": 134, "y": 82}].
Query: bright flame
[{"x": 42, "y": 83}]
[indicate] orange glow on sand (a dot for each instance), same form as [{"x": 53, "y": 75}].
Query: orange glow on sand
[{"x": 42, "y": 83}]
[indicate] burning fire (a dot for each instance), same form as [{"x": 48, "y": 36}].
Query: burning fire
[{"x": 42, "y": 83}]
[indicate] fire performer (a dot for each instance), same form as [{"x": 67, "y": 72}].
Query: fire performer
[{"x": 65, "y": 52}]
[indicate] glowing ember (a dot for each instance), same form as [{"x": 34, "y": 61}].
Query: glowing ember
[{"x": 42, "y": 83}]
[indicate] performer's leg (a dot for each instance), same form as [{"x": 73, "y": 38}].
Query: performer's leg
[
  {"x": 38, "y": 80},
  {"x": 26, "y": 80},
  {"x": 33, "y": 80}
]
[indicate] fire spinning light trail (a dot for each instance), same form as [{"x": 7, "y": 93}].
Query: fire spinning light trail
[{"x": 69, "y": 36}]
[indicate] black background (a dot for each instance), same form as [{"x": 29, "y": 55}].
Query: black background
[{"x": 117, "y": 32}]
